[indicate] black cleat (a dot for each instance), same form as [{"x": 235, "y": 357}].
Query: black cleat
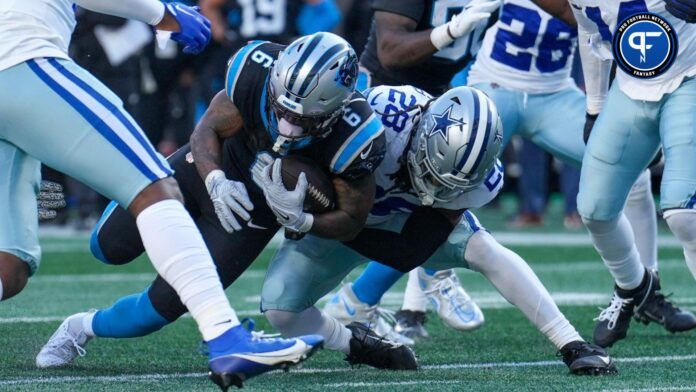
[
  {"x": 614, "y": 320},
  {"x": 586, "y": 359},
  {"x": 370, "y": 349},
  {"x": 411, "y": 324},
  {"x": 656, "y": 308}
]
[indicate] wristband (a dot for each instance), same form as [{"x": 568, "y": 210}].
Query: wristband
[{"x": 440, "y": 36}]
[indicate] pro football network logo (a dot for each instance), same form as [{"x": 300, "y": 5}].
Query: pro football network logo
[{"x": 645, "y": 45}]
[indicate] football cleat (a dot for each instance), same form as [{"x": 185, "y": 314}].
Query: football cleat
[
  {"x": 411, "y": 323},
  {"x": 240, "y": 353},
  {"x": 369, "y": 349},
  {"x": 347, "y": 308},
  {"x": 66, "y": 344},
  {"x": 452, "y": 304},
  {"x": 583, "y": 358},
  {"x": 658, "y": 309}
]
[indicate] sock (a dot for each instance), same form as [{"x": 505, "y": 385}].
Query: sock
[
  {"x": 515, "y": 281},
  {"x": 0, "y": 289},
  {"x": 178, "y": 253},
  {"x": 640, "y": 211},
  {"x": 312, "y": 321},
  {"x": 87, "y": 322},
  {"x": 430, "y": 271},
  {"x": 414, "y": 298},
  {"x": 128, "y": 317},
  {"x": 374, "y": 282},
  {"x": 614, "y": 242},
  {"x": 682, "y": 222}
]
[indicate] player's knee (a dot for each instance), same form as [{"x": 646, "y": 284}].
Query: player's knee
[
  {"x": 282, "y": 320},
  {"x": 682, "y": 222},
  {"x": 164, "y": 189},
  {"x": 108, "y": 250},
  {"x": 14, "y": 274},
  {"x": 600, "y": 226}
]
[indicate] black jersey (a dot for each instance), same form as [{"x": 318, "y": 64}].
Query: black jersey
[
  {"x": 268, "y": 20},
  {"x": 434, "y": 74},
  {"x": 353, "y": 149}
]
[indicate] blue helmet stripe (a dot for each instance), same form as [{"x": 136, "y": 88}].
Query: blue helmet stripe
[
  {"x": 300, "y": 63},
  {"x": 486, "y": 136},
  {"x": 318, "y": 66},
  {"x": 472, "y": 139}
]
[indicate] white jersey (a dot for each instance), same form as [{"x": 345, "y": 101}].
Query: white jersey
[
  {"x": 390, "y": 199},
  {"x": 527, "y": 49},
  {"x": 34, "y": 28},
  {"x": 599, "y": 19}
]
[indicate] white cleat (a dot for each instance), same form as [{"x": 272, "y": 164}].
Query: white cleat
[
  {"x": 66, "y": 344},
  {"x": 347, "y": 308},
  {"x": 452, "y": 304}
]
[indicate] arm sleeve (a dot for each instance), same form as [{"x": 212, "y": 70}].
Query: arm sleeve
[
  {"x": 424, "y": 231},
  {"x": 146, "y": 11},
  {"x": 409, "y": 8},
  {"x": 596, "y": 71}
]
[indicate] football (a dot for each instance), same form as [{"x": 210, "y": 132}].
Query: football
[{"x": 320, "y": 191}]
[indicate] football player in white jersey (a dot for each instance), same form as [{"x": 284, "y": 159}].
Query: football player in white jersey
[
  {"x": 55, "y": 112},
  {"x": 441, "y": 160},
  {"x": 524, "y": 66},
  {"x": 651, "y": 103}
]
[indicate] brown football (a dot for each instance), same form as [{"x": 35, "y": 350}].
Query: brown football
[{"x": 320, "y": 191}]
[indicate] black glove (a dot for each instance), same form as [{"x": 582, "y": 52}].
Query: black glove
[
  {"x": 589, "y": 124},
  {"x": 682, "y": 9}
]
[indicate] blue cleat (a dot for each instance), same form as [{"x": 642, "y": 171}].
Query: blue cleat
[{"x": 240, "y": 353}]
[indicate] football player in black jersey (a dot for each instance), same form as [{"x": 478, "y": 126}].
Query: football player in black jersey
[{"x": 298, "y": 99}]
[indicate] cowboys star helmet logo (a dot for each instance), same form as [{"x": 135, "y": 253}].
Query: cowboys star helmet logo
[{"x": 442, "y": 123}]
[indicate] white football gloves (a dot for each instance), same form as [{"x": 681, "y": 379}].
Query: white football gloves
[
  {"x": 228, "y": 196},
  {"x": 464, "y": 22},
  {"x": 288, "y": 206},
  {"x": 49, "y": 199}
]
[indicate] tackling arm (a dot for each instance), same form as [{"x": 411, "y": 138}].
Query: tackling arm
[
  {"x": 354, "y": 200},
  {"x": 146, "y": 11},
  {"x": 423, "y": 233}
]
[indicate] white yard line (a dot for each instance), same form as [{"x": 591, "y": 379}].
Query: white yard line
[
  {"x": 81, "y": 244},
  {"x": 389, "y": 383},
  {"x": 165, "y": 376}
]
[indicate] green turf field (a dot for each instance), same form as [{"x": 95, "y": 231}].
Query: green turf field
[{"x": 506, "y": 354}]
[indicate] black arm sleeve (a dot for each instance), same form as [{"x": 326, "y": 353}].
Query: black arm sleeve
[{"x": 424, "y": 231}]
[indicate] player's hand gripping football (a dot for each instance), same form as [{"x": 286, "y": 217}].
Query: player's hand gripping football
[
  {"x": 229, "y": 198},
  {"x": 194, "y": 28},
  {"x": 464, "y": 22},
  {"x": 49, "y": 199},
  {"x": 288, "y": 206}
]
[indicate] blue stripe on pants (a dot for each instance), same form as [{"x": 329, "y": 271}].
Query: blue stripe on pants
[{"x": 93, "y": 120}]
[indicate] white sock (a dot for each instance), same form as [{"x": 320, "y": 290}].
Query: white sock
[
  {"x": 0, "y": 289},
  {"x": 178, "y": 253},
  {"x": 87, "y": 324},
  {"x": 312, "y": 321},
  {"x": 682, "y": 222},
  {"x": 513, "y": 278},
  {"x": 614, "y": 241},
  {"x": 414, "y": 299},
  {"x": 640, "y": 211}
]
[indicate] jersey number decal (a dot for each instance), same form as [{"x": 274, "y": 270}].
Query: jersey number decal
[
  {"x": 511, "y": 48},
  {"x": 262, "y": 17},
  {"x": 352, "y": 118},
  {"x": 443, "y": 10},
  {"x": 262, "y": 58},
  {"x": 625, "y": 10},
  {"x": 397, "y": 122}
]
